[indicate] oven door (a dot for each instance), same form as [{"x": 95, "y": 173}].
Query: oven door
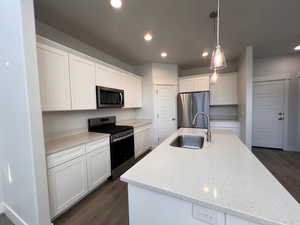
[
  {"x": 121, "y": 150},
  {"x": 109, "y": 97}
]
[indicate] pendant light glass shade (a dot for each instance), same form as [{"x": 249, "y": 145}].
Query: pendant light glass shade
[
  {"x": 214, "y": 77},
  {"x": 218, "y": 60}
]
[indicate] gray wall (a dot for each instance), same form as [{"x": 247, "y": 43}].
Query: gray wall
[
  {"x": 232, "y": 67},
  {"x": 55, "y": 35},
  {"x": 21, "y": 146},
  {"x": 245, "y": 93},
  {"x": 277, "y": 65}
]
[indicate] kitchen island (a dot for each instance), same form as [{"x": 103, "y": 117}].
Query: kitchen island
[{"x": 222, "y": 183}]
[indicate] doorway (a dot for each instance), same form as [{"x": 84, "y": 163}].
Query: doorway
[
  {"x": 269, "y": 114},
  {"x": 165, "y": 112}
]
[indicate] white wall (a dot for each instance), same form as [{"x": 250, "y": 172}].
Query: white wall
[
  {"x": 57, "y": 122},
  {"x": 22, "y": 147},
  {"x": 245, "y": 93}
]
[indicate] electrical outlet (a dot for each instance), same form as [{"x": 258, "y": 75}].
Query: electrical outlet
[{"x": 208, "y": 216}]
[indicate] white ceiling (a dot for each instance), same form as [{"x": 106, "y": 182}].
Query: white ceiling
[{"x": 180, "y": 27}]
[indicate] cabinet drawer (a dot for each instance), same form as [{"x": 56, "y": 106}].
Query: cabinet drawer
[
  {"x": 96, "y": 145},
  {"x": 143, "y": 128},
  {"x": 64, "y": 156}
]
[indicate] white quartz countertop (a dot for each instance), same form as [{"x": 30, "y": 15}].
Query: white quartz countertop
[
  {"x": 134, "y": 123},
  {"x": 224, "y": 176},
  {"x": 65, "y": 142}
]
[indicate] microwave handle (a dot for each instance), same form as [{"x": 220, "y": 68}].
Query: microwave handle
[{"x": 121, "y": 97}]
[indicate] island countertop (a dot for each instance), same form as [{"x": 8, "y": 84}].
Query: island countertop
[{"x": 224, "y": 176}]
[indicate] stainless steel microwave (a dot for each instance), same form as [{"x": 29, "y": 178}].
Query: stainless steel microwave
[{"x": 109, "y": 97}]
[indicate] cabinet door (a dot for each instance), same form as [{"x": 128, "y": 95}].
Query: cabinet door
[
  {"x": 232, "y": 220},
  {"x": 67, "y": 184},
  {"x": 194, "y": 84},
  {"x": 53, "y": 66},
  {"x": 201, "y": 84},
  {"x": 132, "y": 86},
  {"x": 224, "y": 91},
  {"x": 98, "y": 166},
  {"x": 107, "y": 77},
  {"x": 83, "y": 88},
  {"x": 148, "y": 138},
  {"x": 138, "y": 143}
]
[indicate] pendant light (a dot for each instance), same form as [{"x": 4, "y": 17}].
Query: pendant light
[
  {"x": 218, "y": 60},
  {"x": 214, "y": 77}
]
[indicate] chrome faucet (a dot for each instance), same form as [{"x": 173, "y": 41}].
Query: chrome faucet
[{"x": 208, "y": 133}]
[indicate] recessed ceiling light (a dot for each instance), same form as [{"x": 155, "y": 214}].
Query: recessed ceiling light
[
  {"x": 116, "y": 3},
  {"x": 204, "y": 54},
  {"x": 148, "y": 37},
  {"x": 297, "y": 48},
  {"x": 164, "y": 54}
]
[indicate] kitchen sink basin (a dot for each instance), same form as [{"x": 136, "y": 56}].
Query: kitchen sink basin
[{"x": 188, "y": 141}]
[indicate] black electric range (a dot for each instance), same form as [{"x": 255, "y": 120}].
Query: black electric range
[{"x": 121, "y": 143}]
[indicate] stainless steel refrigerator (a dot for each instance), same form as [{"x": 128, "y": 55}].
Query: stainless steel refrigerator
[{"x": 188, "y": 105}]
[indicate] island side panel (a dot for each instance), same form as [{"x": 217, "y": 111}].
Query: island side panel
[{"x": 152, "y": 208}]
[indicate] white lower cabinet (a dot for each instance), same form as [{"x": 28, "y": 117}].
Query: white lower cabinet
[
  {"x": 233, "y": 220},
  {"x": 142, "y": 140},
  {"x": 98, "y": 166},
  {"x": 67, "y": 184},
  {"x": 74, "y": 172}
]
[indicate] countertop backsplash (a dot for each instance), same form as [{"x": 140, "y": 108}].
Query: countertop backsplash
[
  {"x": 69, "y": 121},
  {"x": 226, "y": 112}
]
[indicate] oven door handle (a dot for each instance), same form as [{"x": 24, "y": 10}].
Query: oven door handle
[{"x": 121, "y": 138}]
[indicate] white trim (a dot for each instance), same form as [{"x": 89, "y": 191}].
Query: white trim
[
  {"x": 1, "y": 208},
  {"x": 13, "y": 216},
  {"x": 291, "y": 148},
  {"x": 285, "y": 76},
  {"x": 286, "y": 88}
]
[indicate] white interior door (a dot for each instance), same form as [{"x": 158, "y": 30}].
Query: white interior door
[
  {"x": 166, "y": 122},
  {"x": 268, "y": 114}
]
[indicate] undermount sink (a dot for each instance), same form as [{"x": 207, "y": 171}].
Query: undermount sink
[{"x": 188, "y": 141}]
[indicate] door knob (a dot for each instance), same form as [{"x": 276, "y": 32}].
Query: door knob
[
  {"x": 280, "y": 118},
  {"x": 173, "y": 119},
  {"x": 280, "y": 114}
]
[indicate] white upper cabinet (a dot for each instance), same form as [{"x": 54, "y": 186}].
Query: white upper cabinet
[
  {"x": 193, "y": 84},
  {"x": 53, "y": 66},
  {"x": 83, "y": 86},
  {"x": 107, "y": 77},
  {"x": 132, "y": 86},
  {"x": 224, "y": 91},
  {"x": 68, "y": 80}
]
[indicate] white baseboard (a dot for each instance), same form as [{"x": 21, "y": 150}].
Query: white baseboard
[
  {"x": 1, "y": 208},
  {"x": 13, "y": 216},
  {"x": 291, "y": 149}
]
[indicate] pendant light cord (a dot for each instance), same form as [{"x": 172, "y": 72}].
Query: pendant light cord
[{"x": 218, "y": 24}]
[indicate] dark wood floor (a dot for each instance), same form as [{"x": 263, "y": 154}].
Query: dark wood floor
[
  {"x": 4, "y": 220},
  {"x": 108, "y": 205},
  {"x": 285, "y": 166}
]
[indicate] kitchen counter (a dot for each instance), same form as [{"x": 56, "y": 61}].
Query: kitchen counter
[
  {"x": 223, "y": 176},
  {"x": 135, "y": 123},
  {"x": 69, "y": 141}
]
